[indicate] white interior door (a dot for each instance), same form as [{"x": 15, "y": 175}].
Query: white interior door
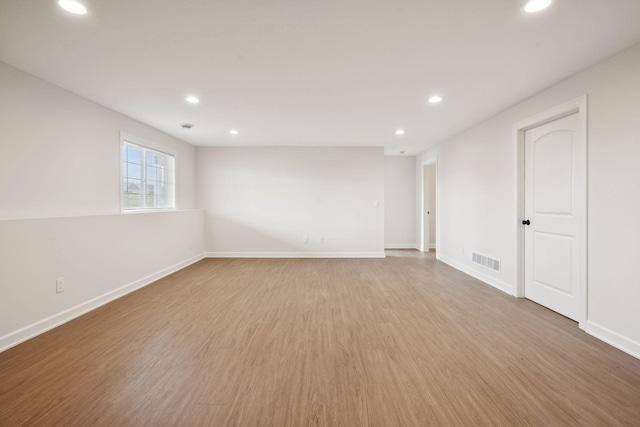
[
  {"x": 554, "y": 175},
  {"x": 426, "y": 197}
]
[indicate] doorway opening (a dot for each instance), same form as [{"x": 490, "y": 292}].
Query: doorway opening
[
  {"x": 429, "y": 217},
  {"x": 551, "y": 210}
]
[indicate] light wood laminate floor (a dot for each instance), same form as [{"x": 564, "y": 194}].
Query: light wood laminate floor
[{"x": 400, "y": 341}]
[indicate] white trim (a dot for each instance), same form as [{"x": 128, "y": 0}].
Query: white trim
[
  {"x": 433, "y": 245},
  {"x": 579, "y": 106},
  {"x": 23, "y": 334},
  {"x": 97, "y": 214},
  {"x": 127, "y": 137},
  {"x": 615, "y": 339},
  {"x": 498, "y": 284},
  {"x": 149, "y": 210},
  {"x": 401, "y": 246},
  {"x": 154, "y": 145},
  {"x": 294, "y": 255}
]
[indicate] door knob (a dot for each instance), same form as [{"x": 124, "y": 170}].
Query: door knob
[{"x": 526, "y": 222}]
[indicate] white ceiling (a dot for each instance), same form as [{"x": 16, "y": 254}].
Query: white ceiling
[{"x": 303, "y": 72}]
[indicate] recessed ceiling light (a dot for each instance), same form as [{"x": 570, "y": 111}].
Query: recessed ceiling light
[
  {"x": 73, "y": 6},
  {"x": 435, "y": 99},
  {"x": 233, "y": 132},
  {"x": 400, "y": 132},
  {"x": 192, "y": 99},
  {"x": 534, "y": 6}
]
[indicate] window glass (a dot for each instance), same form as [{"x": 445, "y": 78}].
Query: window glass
[{"x": 147, "y": 178}]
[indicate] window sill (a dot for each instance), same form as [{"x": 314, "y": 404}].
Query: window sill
[{"x": 142, "y": 211}]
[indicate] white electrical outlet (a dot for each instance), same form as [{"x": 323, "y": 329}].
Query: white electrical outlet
[
  {"x": 306, "y": 240},
  {"x": 321, "y": 240},
  {"x": 59, "y": 285},
  {"x": 376, "y": 204}
]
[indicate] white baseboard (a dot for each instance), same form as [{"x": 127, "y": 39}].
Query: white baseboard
[
  {"x": 432, "y": 245},
  {"x": 12, "y": 339},
  {"x": 615, "y": 339},
  {"x": 498, "y": 284},
  {"x": 401, "y": 246},
  {"x": 23, "y": 334},
  {"x": 294, "y": 255}
]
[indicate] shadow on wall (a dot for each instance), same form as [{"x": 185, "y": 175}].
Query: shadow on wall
[
  {"x": 271, "y": 199},
  {"x": 229, "y": 235}
]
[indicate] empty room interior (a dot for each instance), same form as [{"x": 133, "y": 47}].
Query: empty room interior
[{"x": 288, "y": 213}]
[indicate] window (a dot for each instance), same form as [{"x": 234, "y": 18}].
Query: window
[{"x": 148, "y": 178}]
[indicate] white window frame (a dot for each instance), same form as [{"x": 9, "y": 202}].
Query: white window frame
[{"x": 131, "y": 139}]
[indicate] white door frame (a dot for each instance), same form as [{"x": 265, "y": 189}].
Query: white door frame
[
  {"x": 579, "y": 106},
  {"x": 424, "y": 246}
]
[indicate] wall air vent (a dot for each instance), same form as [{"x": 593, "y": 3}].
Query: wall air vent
[{"x": 485, "y": 261}]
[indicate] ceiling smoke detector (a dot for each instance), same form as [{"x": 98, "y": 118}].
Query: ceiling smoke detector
[{"x": 186, "y": 125}]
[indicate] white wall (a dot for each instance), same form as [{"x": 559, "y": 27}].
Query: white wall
[
  {"x": 477, "y": 180},
  {"x": 265, "y": 201},
  {"x": 400, "y": 202},
  {"x": 60, "y": 208},
  {"x": 101, "y": 257},
  {"x": 60, "y": 155}
]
